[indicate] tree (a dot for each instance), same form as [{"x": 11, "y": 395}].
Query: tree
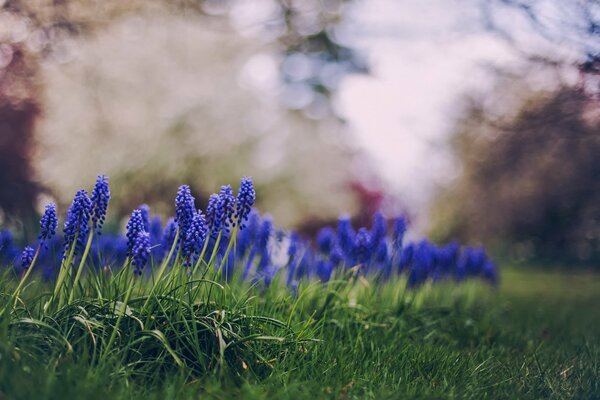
[
  {"x": 530, "y": 177},
  {"x": 42, "y": 31}
]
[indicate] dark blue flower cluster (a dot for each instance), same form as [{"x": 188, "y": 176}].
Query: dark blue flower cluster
[
  {"x": 377, "y": 251},
  {"x": 185, "y": 207},
  {"x": 194, "y": 239},
  {"x": 140, "y": 252},
  {"x": 167, "y": 238},
  {"x": 48, "y": 223},
  {"x": 8, "y": 248},
  {"x": 27, "y": 257},
  {"x": 134, "y": 227},
  {"x": 100, "y": 199},
  {"x": 245, "y": 200},
  {"x": 76, "y": 226},
  {"x": 259, "y": 250}
]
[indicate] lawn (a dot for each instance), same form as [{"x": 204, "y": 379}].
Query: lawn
[{"x": 534, "y": 336}]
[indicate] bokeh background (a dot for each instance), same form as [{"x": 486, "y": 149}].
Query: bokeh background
[{"x": 477, "y": 119}]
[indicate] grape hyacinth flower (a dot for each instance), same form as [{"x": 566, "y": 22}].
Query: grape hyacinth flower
[
  {"x": 48, "y": 223},
  {"x": 212, "y": 213},
  {"x": 398, "y": 231},
  {"x": 27, "y": 257},
  {"x": 422, "y": 264},
  {"x": 220, "y": 210},
  {"x": 345, "y": 236},
  {"x": 145, "y": 209},
  {"x": 194, "y": 238},
  {"x": 141, "y": 252},
  {"x": 155, "y": 229},
  {"x": 261, "y": 243},
  {"x": 362, "y": 245},
  {"x": 76, "y": 225},
  {"x": 490, "y": 272},
  {"x": 324, "y": 269},
  {"x": 245, "y": 200},
  {"x": 336, "y": 256},
  {"x": 381, "y": 252},
  {"x": 184, "y": 208},
  {"x": 378, "y": 230},
  {"x": 135, "y": 226},
  {"x": 325, "y": 239},
  {"x": 226, "y": 207},
  {"x": 406, "y": 257},
  {"x": 247, "y": 235},
  {"x": 100, "y": 199},
  {"x": 264, "y": 233},
  {"x": 293, "y": 247},
  {"x": 168, "y": 236},
  {"x": 8, "y": 250}
]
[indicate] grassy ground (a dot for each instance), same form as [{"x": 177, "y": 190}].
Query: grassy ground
[{"x": 536, "y": 336}]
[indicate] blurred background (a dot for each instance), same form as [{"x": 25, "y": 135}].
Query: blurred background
[{"x": 478, "y": 119}]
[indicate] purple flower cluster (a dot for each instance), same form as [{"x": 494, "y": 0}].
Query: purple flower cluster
[
  {"x": 76, "y": 225},
  {"x": 100, "y": 199},
  {"x": 194, "y": 239},
  {"x": 27, "y": 257},
  {"x": 245, "y": 200},
  {"x": 185, "y": 207},
  {"x": 48, "y": 223},
  {"x": 377, "y": 251},
  {"x": 140, "y": 252},
  {"x": 8, "y": 249},
  {"x": 135, "y": 226},
  {"x": 260, "y": 252}
]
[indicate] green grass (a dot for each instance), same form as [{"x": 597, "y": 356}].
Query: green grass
[{"x": 536, "y": 336}]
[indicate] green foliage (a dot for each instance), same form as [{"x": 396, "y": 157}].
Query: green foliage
[{"x": 181, "y": 338}]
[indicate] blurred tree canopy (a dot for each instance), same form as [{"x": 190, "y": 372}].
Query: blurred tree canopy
[
  {"x": 40, "y": 38},
  {"x": 530, "y": 177},
  {"x": 574, "y": 23}
]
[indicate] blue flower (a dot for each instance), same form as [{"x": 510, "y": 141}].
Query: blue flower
[
  {"x": 145, "y": 209},
  {"x": 325, "y": 239},
  {"x": 245, "y": 200},
  {"x": 168, "y": 236},
  {"x": 27, "y": 257},
  {"x": 422, "y": 264},
  {"x": 194, "y": 238},
  {"x": 336, "y": 256},
  {"x": 8, "y": 250},
  {"x": 381, "y": 252},
  {"x": 264, "y": 233},
  {"x": 345, "y": 236},
  {"x": 406, "y": 257},
  {"x": 324, "y": 269},
  {"x": 141, "y": 252},
  {"x": 135, "y": 226},
  {"x": 226, "y": 207},
  {"x": 362, "y": 245},
  {"x": 293, "y": 247},
  {"x": 48, "y": 223},
  {"x": 220, "y": 211},
  {"x": 398, "y": 231},
  {"x": 212, "y": 213},
  {"x": 100, "y": 199},
  {"x": 112, "y": 250},
  {"x": 378, "y": 230},
  {"x": 184, "y": 208},
  {"x": 490, "y": 272},
  {"x": 76, "y": 224}
]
